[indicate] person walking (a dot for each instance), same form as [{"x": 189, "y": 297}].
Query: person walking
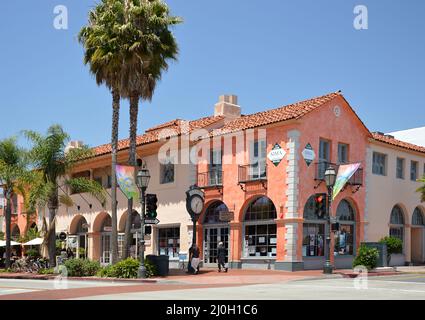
[
  {"x": 194, "y": 260},
  {"x": 221, "y": 257}
]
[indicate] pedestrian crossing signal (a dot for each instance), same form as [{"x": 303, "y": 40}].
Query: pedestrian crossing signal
[{"x": 148, "y": 229}]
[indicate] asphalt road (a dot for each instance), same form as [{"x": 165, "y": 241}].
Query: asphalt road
[{"x": 411, "y": 286}]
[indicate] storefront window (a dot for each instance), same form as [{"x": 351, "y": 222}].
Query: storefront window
[
  {"x": 344, "y": 238},
  {"x": 313, "y": 231},
  {"x": 169, "y": 241},
  {"x": 212, "y": 215},
  {"x": 313, "y": 239},
  {"x": 260, "y": 229}
]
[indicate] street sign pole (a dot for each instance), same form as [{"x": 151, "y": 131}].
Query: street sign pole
[{"x": 142, "y": 269}]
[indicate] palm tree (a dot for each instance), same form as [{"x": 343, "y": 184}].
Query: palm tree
[
  {"x": 148, "y": 45},
  {"x": 100, "y": 39},
  {"x": 12, "y": 171},
  {"x": 54, "y": 165}
]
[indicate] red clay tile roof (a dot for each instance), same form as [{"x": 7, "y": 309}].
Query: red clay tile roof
[
  {"x": 285, "y": 113},
  {"x": 153, "y": 134},
  {"x": 398, "y": 143}
]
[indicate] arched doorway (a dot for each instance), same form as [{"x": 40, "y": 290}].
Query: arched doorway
[
  {"x": 345, "y": 237},
  {"x": 313, "y": 236},
  {"x": 418, "y": 236},
  {"x": 215, "y": 231},
  {"x": 260, "y": 230},
  {"x": 136, "y": 224},
  {"x": 105, "y": 239},
  {"x": 78, "y": 240}
]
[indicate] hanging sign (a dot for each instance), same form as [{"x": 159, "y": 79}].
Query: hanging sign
[
  {"x": 308, "y": 154},
  {"x": 276, "y": 154},
  {"x": 226, "y": 216},
  {"x": 127, "y": 183},
  {"x": 345, "y": 172}
]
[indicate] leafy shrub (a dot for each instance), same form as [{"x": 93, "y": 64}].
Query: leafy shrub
[
  {"x": 128, "y": 268},
  {"x": 367, "y": 257},
  {"x": 394, "y": 245},
  {"x": 1, "y": 235},
  {"x": 46, "y": 271},
  {"x": 32, "y": 253},
  {"x": 81, "y": 267}
]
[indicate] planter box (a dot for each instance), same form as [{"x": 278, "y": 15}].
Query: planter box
[{"x": 397, "y": 260}]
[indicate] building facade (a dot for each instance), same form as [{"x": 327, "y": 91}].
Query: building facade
[
  {"x": 261, "y": 174},
  {"x": 393, "y": 206}
]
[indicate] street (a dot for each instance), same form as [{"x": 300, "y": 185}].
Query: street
[{"x": 406, "y": 286}]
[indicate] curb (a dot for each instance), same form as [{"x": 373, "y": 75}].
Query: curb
[
  {"x": 51, "y": 277},
  {"x": 371, "y": 274}
]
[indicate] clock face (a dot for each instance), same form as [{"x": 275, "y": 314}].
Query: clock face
[{"x": 196, "y": 204}]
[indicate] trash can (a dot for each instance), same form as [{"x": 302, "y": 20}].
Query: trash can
[
  {"x": 163, "y": 265},
  {"x": 160, "y": 262}
]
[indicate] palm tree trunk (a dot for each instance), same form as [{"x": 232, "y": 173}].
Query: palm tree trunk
[
  {"x": 114, "y": 143},
  {"x": 134, "y": 111},
  {"x": 8, "y": 219},
  {"x": 53, "y": 206}
]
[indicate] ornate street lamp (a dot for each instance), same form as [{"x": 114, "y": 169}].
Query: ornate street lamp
[
  {"x": 330, "y": 178},
  {"x": 142, "y": 182}
]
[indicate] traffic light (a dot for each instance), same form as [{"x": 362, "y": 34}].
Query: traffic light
[
  {"x": 320, "y": 204},
  {"x": 148, "y": 229},
  {"x": 151, "y": 205}
]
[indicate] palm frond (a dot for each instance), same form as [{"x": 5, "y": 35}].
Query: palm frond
[{"x": 82, "y": 185}]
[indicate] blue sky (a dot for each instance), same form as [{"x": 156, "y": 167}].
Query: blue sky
[{"x": 268, "y": 52}]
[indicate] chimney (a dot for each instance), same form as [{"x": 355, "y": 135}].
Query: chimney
[
  {"x": 228, "y": 107},
  {"x": 73, "y": 145}
]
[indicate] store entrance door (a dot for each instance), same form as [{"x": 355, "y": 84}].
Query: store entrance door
[{"x": 212, "y": 237}]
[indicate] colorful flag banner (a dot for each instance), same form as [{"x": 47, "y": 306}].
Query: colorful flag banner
[
  {"x": 345, "y": 172},
  {"x": 126, "y": 182}
]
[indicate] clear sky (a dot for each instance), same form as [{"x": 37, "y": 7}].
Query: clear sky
[{"x": 268, "y": 52}]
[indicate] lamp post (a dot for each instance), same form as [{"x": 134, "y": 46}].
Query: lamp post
[
  {"x": 142, "y": 182},
  {"x": 330, "y": 178}
]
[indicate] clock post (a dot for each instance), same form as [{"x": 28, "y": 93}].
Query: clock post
[{"x": 195, "y": 200}]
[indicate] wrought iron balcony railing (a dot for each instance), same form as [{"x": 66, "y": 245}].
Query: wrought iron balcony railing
[
  {"x": 321, "y": 166},
  {"x": 211, "y": 178},
  {"x": 252, "y": 172}
]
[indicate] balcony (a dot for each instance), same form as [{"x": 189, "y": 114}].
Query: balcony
[
  {"x": 321, "y": 166},
  {"x": 252, "y": 172},
  {"x": 210, "y": 179}
]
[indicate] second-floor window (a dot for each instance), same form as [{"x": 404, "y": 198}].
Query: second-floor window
[
  {"x": 342, "y": 153},
  {"x": 215, "y": 167},
  {"x": 324, "y": 157},
  {"x": 413, "y": 170},
  {"x": 258, "y": 154},
  {"x": 400, "y": 168},
  {"x": 379, "y": 165},
  {"x": 166, "y": 172}
]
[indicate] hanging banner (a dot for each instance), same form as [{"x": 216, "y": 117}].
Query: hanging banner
[
  {"x": 126, "y": 182},
  {"x": 345, "y": 172}
]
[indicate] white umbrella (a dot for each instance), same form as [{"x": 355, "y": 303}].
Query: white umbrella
[
  {"x": 34, "y": 242},
  {"x": 12, "y": 243}
]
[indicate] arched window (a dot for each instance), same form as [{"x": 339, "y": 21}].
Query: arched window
[
  {"x": 212, "y": 214},
  {"x": 418, "y": 217},
  {"x": 344, "y": 238},
  {"x": 106, "y": 224},
  {"x": 82, "y": 226},
  {"x": 397, "y": 223},
  {"x": 313, "y": 231},
  {"x": 260, "y": 228}
]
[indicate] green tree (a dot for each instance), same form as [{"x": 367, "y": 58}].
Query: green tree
[
  {"x": 54, "y": 166},
  {"x": 101, "y": 41},
  {"x": 148, "y": 45},
  {"x": 13, "y": 170}
]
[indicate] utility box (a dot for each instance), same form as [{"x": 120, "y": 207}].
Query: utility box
[{"x": 382, "y": 248}]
